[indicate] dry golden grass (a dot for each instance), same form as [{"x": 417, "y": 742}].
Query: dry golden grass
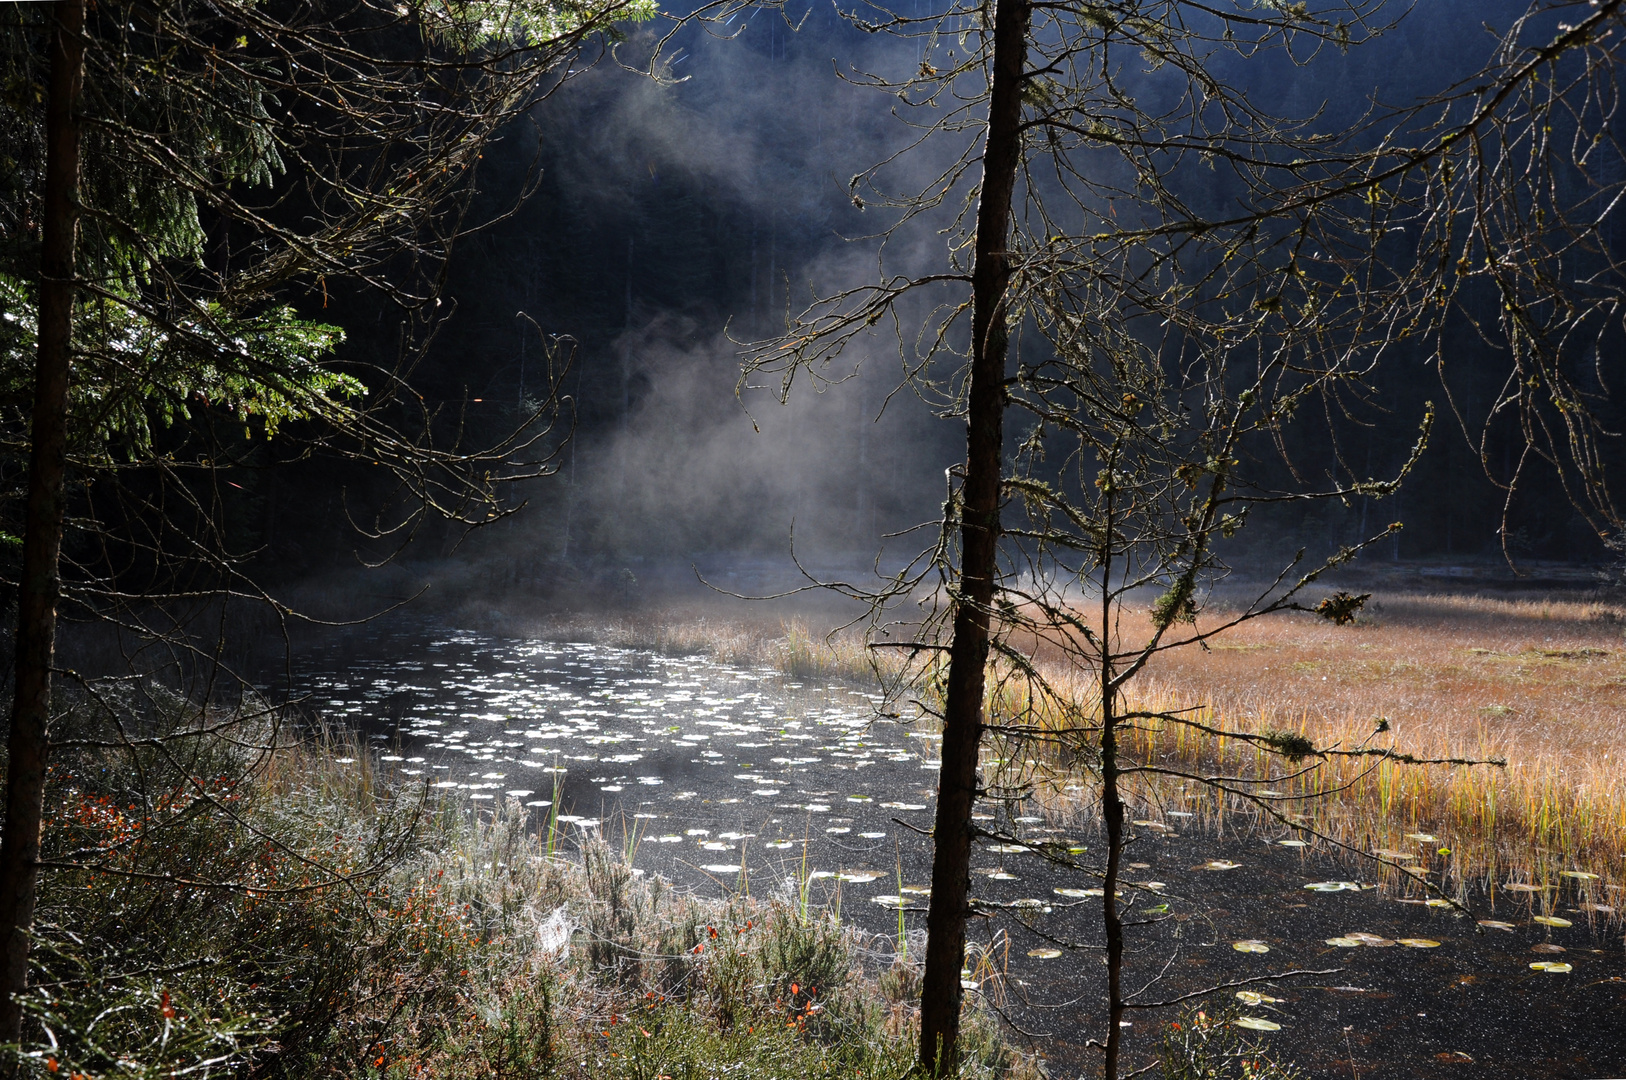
[{"x": 1539, "y": 683}]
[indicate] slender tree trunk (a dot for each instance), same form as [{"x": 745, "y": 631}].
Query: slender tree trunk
[
  {"x": 42, "y": 536},
  {"x": 979, "y": 541},
  {"x": 1112, "y": 813}
]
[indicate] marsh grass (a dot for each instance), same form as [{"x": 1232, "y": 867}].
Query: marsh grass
[
  {"x": 308, "y": 919},
  {"x": 1539, "y": 683}
]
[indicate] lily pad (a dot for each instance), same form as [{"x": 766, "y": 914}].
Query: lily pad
[
  {"x": 1493, "y": 924},
  {"x": 1250, "y": 946},
  {"x": 1551, "y": 920},
  {"x": 1344, "y": 942},
  {"x": 1254, "y": 997},
  {"x": 1552, "y": 967},
  {"x": 1417, "y": 942},
  {"x": 1044, "y": 954},
  {"x": 1217, "y": 864},
  {"x": 1373, "y": 940},
  {"x": 1254, "y": 1023}
]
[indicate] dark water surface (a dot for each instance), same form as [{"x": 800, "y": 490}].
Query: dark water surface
[{"x": 730, "y": 779}]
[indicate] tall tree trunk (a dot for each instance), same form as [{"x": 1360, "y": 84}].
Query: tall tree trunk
[
  {"x": 42, "y": 536},
  {"x": 1112, "y": 807},
  {"x": 979, "y": 543}
]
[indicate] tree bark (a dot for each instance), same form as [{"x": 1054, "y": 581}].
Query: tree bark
[
  {"x": 941, "y": 992},
  {"x": 42, "y": 534}
]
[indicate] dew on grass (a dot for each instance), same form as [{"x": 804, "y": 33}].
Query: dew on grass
[
  {"x": 1418, "y": 942},
  {"x": 1218, "y": 864},
  {"x": 1496, "y": 924},
  {"x": 1250, "y": 946},
  {"x": 1551, "y": 920},
  {"x": 1254, "y": 997},
  {"x": 1254, "y": 1023},
  {"x": 1044, "y": 954},
  {"x": 1552, "y": 967}
]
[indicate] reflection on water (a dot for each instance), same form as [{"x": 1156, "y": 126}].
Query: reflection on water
[{"x": 675, "y": 748}]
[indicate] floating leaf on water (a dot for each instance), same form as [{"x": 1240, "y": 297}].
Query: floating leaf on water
[
  {"x": 1333, "y": 886},
  {"x": 1218, "y": 864},
  {"x": 1519, "y": 886},
  {"x": 780, "y": 845},
  {"x": 818, "y": 808},
  {"x": 1344, "y": 942},
  {"x": 1435, "y": 901},
  {"x": 873, "y": 835},
  {"x": 903, "y": 806},
  {"x": 1293, "y": 843},
  {"x": 1418, "y": 942},
  {"x": 1552, "y": 920},
  {"x": 1580, "y": 875},
  {"x": 970, "y": 984},
  {"x": 1552, "y": 967},
  {"x": 1153, "y": 885},
  {"x": 1151, "y": 824},
  {"x": 1388, "y": 854},
  {"x": 1027, "y": 903},
  {"x": 1254, "y": 1023},
  {"x": 1250, "y": 946},
  {"x": 1254, "y": 997},
  {"x": 1601, "y": 909},
  {"x": 858, "y": 798},
  {"x": 688, "y": 832},
  {"x": 859, "y": 877},
  {"x": 1000, "y": 875},
  {"x": 1373, "y": 940},
  {"x": 888, "y": 901},
  {"x": 716, "y": 845},
  {"x": 918, "y": 890},
  {"x": 1076, "y": 894},
  {"x": 1493, "y": 924},
  {"x": 1007, "y": 849},
  {"x": 669, "y": 838},
  {"x": 766, "y": 791},
  {"x": 1076, "y": 849},
  {"x": 1547, "y": 947},
  {"x": 838, "y": 830},
  {"x": 721, "y": 868},
  {"x": 1044, "y": 954},
  {"x": 1423, "y": 837},
  {"x": 819, "y": 874}
]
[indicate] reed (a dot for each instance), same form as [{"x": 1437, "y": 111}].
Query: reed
[{"x": 1536, "y": 682}]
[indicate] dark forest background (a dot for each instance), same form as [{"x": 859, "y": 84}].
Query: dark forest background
[{"x": 671, "y": 221}]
